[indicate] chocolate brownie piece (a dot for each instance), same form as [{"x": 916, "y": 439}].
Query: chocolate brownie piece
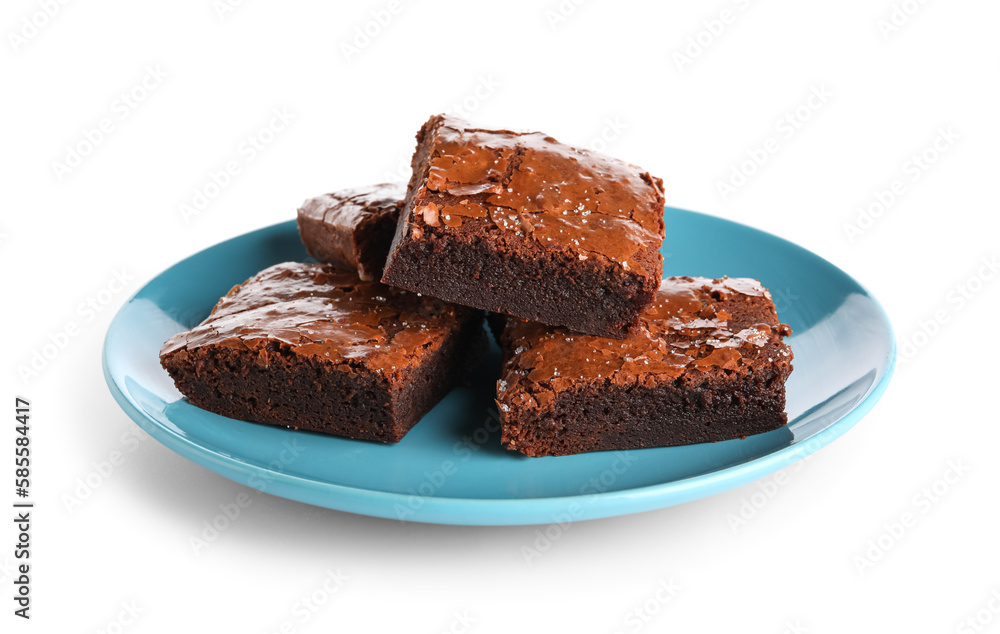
[
  {"x": 706, "y": 363},
  {"x": 518, "y": 223},
  {"x": 352, "y": 228},
  {"x": 313, "y": 347}
]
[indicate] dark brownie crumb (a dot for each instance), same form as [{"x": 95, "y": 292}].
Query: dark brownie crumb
[
  {"x": 313, "y": 347},
  {"x": 706, "y": 363}
]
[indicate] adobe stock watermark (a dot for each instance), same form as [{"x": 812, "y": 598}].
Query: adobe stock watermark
[
  {"x": 637, "y": 618},
  {"x": 400, "y": 173},
  {"x": 229, "y": 512},
  {"x": 371, "y": 29},
  {"x": 434, "y": 479},
  {"x": 546, "y": 538},
  {"x": 794, "y": 627},
  {"x": 561, "y": 12},
  {"x": 610, "y": 132},
  {"x": 224, "y": 8},
  {"x": 712, "y": 28},
  {"x": 128, "y": 613},
  {"x": 460, "y": 623},
  {"x": 786, "y": 128},
  {"x": 248, "y": 150},
  {"x": 120, "y": 109},
  {"x": 956, "y": 299},
  {"x": 32, "y": 24},
  {"x": 767, "y": 489},
  {"x": 980, "y": 620},
  {"x": 101, "y": 471},
  {"x": 913, "y": 170},
  {"x": 898, "y": 17},
  {"x": 783, "y": 298},
  {"x": 8, "y": 570},
  {"x": 85, "y": 312},
  {"x": 921, "y": 504},
  {"x": 484, "y": 88},
  {"x": 309, "y": 605}
]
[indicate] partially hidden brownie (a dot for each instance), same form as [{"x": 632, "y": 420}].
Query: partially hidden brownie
[
  {"x": 706, "y": 363},
  {"x": 521, "y": 224},
  {"x": 352, "y": 228},
  {"x": 313, "y": 347}
]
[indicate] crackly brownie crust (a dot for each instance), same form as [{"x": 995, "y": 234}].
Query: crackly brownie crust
[
  {"x": 352, "y": 228},
  {"x": 518, "y": 223},
  {"x": 313, "y": 347},
  {"x": 706, "y": 363}
]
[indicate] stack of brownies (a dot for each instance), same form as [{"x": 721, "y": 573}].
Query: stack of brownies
[{"x": 561, "y": 247}]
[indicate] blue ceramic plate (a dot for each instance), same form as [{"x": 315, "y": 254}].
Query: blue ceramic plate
[{"x": 450, "y": 468}]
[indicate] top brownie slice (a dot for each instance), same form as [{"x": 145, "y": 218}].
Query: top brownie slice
[
  {"x": 521, "y": 224},
  {"x": 352, "y": 228}
]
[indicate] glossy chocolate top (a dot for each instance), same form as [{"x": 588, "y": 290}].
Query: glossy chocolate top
[
  {"x": 350, "y": 207},
  {"x": 326, "y": 313},
  {"x": 533, "y": 186},
  {"x": 694, "y": 325}
]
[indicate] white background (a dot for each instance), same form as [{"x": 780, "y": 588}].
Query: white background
[{"x": 611, "y": 68}]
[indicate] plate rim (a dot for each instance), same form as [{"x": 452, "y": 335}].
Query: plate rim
[{"x": 499, "y": 512}]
